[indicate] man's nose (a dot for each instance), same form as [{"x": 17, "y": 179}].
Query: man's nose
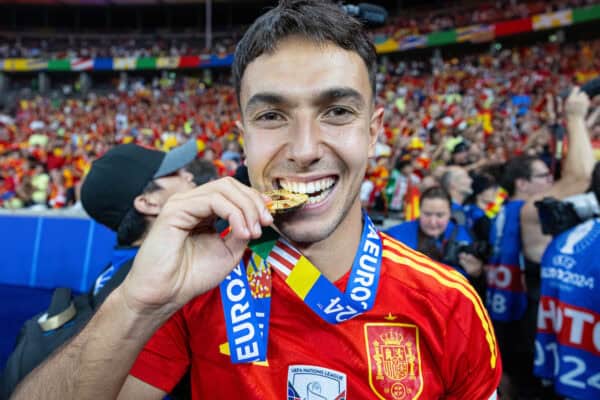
[{"x": 305, "y": 147}]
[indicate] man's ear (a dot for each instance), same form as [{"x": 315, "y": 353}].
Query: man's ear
[
  {"x": 147, "y": 204},
  {"x": 186, "y": 175},
  {"x": 375, "y": 127}
]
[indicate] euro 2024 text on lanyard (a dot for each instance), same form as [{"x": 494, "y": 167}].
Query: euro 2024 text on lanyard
[{"x": 246, "y": 291}]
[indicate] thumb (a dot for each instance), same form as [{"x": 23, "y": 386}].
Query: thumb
[{"x": 236, "y": 246}]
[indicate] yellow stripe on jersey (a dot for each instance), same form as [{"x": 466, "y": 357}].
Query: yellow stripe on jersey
[
  {"x": 303, "y": 277},
  {"x": 456, "y": 285},
  {"x": 437, "y": 273},
  {"x": 402, "y": 248},
  {"x": 450, "y": 273}
]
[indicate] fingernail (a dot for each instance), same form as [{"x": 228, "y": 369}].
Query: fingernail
[
  {"x": 267, "y": 215},
  {"x": 257, "y": 229}
]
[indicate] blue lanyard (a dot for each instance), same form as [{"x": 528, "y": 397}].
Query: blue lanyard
[{"x": 247, "y": 316}]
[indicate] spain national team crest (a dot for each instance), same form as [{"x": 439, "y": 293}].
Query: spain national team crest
[{"x": 394, "y": 360}]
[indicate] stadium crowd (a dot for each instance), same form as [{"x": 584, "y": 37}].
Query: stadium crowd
[
  {"x": 58, "y": 46},
  {"x": 413, "y": 21},
  {"x": 479, "y": 109},
  {"x": 456, "y": 14},
  {"x": 48, "y": 146}
]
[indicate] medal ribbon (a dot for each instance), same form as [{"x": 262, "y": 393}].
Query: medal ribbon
[{"x": 246, "y": 302}]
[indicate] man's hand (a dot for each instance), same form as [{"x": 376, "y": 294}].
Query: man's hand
[
  {"x": 471, "y": 264},
  {"x": 183, "y": 256},
  {"x": 577, "y": 104}
]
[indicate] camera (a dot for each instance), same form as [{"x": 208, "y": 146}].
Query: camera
[
  {"x": 591, "y": 88},
  {"x": 557, "y": 216},
  {"x": 479, "y": 249},
  {"x": 370, "y": 14}
]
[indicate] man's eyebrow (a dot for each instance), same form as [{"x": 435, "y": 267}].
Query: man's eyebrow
[
  {"x": 324, "y": 97},
  {"x": 340, "y": 93},
  {"x": 268, "y": 98}
]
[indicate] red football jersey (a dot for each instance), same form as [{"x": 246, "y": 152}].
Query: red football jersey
[{"x": 428, "y": 336}]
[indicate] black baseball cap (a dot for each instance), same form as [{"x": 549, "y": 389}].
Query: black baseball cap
[
  {"x": 122, "y": 174},
  {"x": 460, "y": 147}
]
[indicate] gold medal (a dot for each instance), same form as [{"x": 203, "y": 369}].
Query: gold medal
[{"x": 283, "y": 201}]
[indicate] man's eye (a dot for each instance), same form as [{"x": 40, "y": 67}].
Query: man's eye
[
  {"x": 269, "y": 116},
  {"x": 338, "y": 112}
]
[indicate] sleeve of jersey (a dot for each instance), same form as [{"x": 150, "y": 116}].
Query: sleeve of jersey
[
  {"x": 474, "y": 367},
  {"x": 166, "y": 357}
]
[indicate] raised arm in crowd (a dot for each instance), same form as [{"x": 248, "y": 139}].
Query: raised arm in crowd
[{"x": 576, "y": 171}]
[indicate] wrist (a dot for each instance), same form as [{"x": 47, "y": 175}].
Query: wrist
[{"x": 135, "y": 315}]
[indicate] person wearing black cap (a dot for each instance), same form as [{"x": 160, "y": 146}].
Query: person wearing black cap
[
  {"x": 128, "y": 185},
  {"x": 124, "y": 190}
]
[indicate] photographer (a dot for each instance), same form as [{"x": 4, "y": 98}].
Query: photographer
[
  {"x": 518, "y": 243},
  {"x": 567, "y": 345},
  {"x": 436, "y": 235},
  {"x": 575, "y": 173}
]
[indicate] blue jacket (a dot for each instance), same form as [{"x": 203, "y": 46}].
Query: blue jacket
[
  {"x": 408, "y": 232},
  {"x": 473, "y": 213},
  {"x": 506, "y": 296}
]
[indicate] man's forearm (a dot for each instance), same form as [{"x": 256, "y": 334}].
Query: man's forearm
[
  {"x": 577, "y": 171},
  {"x": 97, "y": 361},
  {"x": 579, "y": 162}
]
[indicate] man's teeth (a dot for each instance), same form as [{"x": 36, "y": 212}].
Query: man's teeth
[
  {"x": 318, "y": 198},
  {"x": 308, "y": 187}
]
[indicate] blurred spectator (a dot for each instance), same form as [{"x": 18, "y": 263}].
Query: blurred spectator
[
  {"x": 457, "y": 182},
  {"x": 401, "y": 178},
  {"x": 437, "y": 236}
]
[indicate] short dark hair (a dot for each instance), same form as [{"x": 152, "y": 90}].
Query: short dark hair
[
  {"x": 436, "y": 192},
  {"x": 203, "y": 171},
  {"x": 319, "y": 21},
  {"x": 517, "y": 168},
  {"x": 134, "y": 224}
]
